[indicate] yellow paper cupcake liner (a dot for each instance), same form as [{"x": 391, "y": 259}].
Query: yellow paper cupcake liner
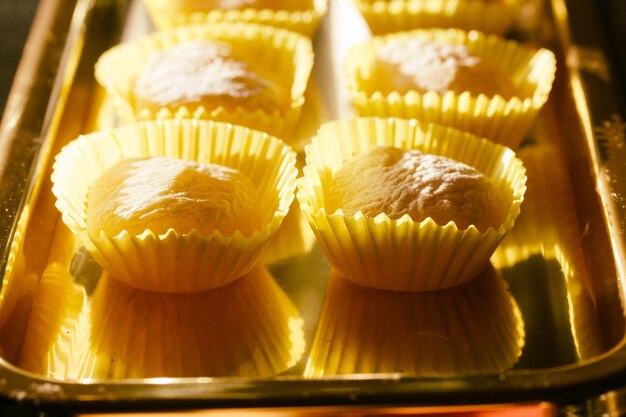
[
  {"x": 293, "y": 238},
  {"x": 505, "y": 121},
  {"x": 283, "y": 56},
  {"x": 402, "y": 254},
  {"x": 384, "y": 16},
  {"x": 473, "y": 328},
  {"x": 167, "y": 14},
  {"x": 175, "y": 262}
]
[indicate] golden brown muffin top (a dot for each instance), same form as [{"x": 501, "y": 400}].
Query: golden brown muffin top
[
  {"x": 161, "y": 193},
  {"x": 203, "y": 73},
  {"x": 424, "y": 65},
  {"x": 394, "y": 181}
]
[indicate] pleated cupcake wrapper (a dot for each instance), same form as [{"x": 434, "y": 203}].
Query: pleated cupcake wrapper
[
  {"x": 286, "y": 54},
  {"x": 401, "y": 15},
  {"x": 402, "y": 254},
  {"x": 175, "y": 262},
  {"x": 259, "y": 332},
  {"x": 275, "y": 124},
  {"x": 474, "y": 328},
  {"x": 505, "y": 121},
  {"x": 293, "y": 238},
  {"x": 165, "y": 16}
]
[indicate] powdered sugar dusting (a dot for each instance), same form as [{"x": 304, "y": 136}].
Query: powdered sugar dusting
[
  {"x": 397, "y": 182},
  {"x": 160, "y": 193},
  {"x": 191, "y": 71},
  {"x": 429, "y": 65},
  {"x": 151, "y": 182}
]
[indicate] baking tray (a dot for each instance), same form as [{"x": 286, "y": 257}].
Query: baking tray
[{"x": 556, "y": 332}]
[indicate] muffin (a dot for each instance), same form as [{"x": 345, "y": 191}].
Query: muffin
[
  {"x": 424, "y": 65},
  {"x": 481, "y": 84},
  {"x": 175, "y": 205},
  {"x": 245, "y": 74},
  {"x": 204, "y": 74},
  {"x": 162, "y": 193},
  {"x": 371, "y": 238},
  {"x": 302, "y": 16},
  {"x": 398, "y": 182},
  {"x": 488, "y": 16}
]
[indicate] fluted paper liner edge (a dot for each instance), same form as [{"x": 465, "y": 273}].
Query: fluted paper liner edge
[
  {"x": 505, "y": 121},
  {"x": 175, "y": 262},
  {"x": 401, "y": 15},
  {"x": 402, "y": 254},
  {"x": 288, "y": 55},
  {"x": 305, "y": 22}
]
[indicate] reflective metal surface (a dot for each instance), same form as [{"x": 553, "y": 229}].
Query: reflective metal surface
[{"x": 545, "y": 324}]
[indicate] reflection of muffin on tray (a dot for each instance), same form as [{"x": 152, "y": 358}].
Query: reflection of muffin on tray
[
  {"x": 175, "y": 205},
  {"x": 548, "y": 235},
  {"x": 245, "y": 74},
  {"x": 383, "y": 196},
  {"x": 473, "y": 328},
  {"x": 301, "y": 16},
  {"x": 248, "y": 328},
  {"x": 482, "y": 84},
  {"x": 488, "y": 16},
  {"x": 53, "y": 323}
]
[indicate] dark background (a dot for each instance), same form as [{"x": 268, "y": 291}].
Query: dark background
[
  {"x": 15, "y": 20},
  {"x": 615, "y": 16}
]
